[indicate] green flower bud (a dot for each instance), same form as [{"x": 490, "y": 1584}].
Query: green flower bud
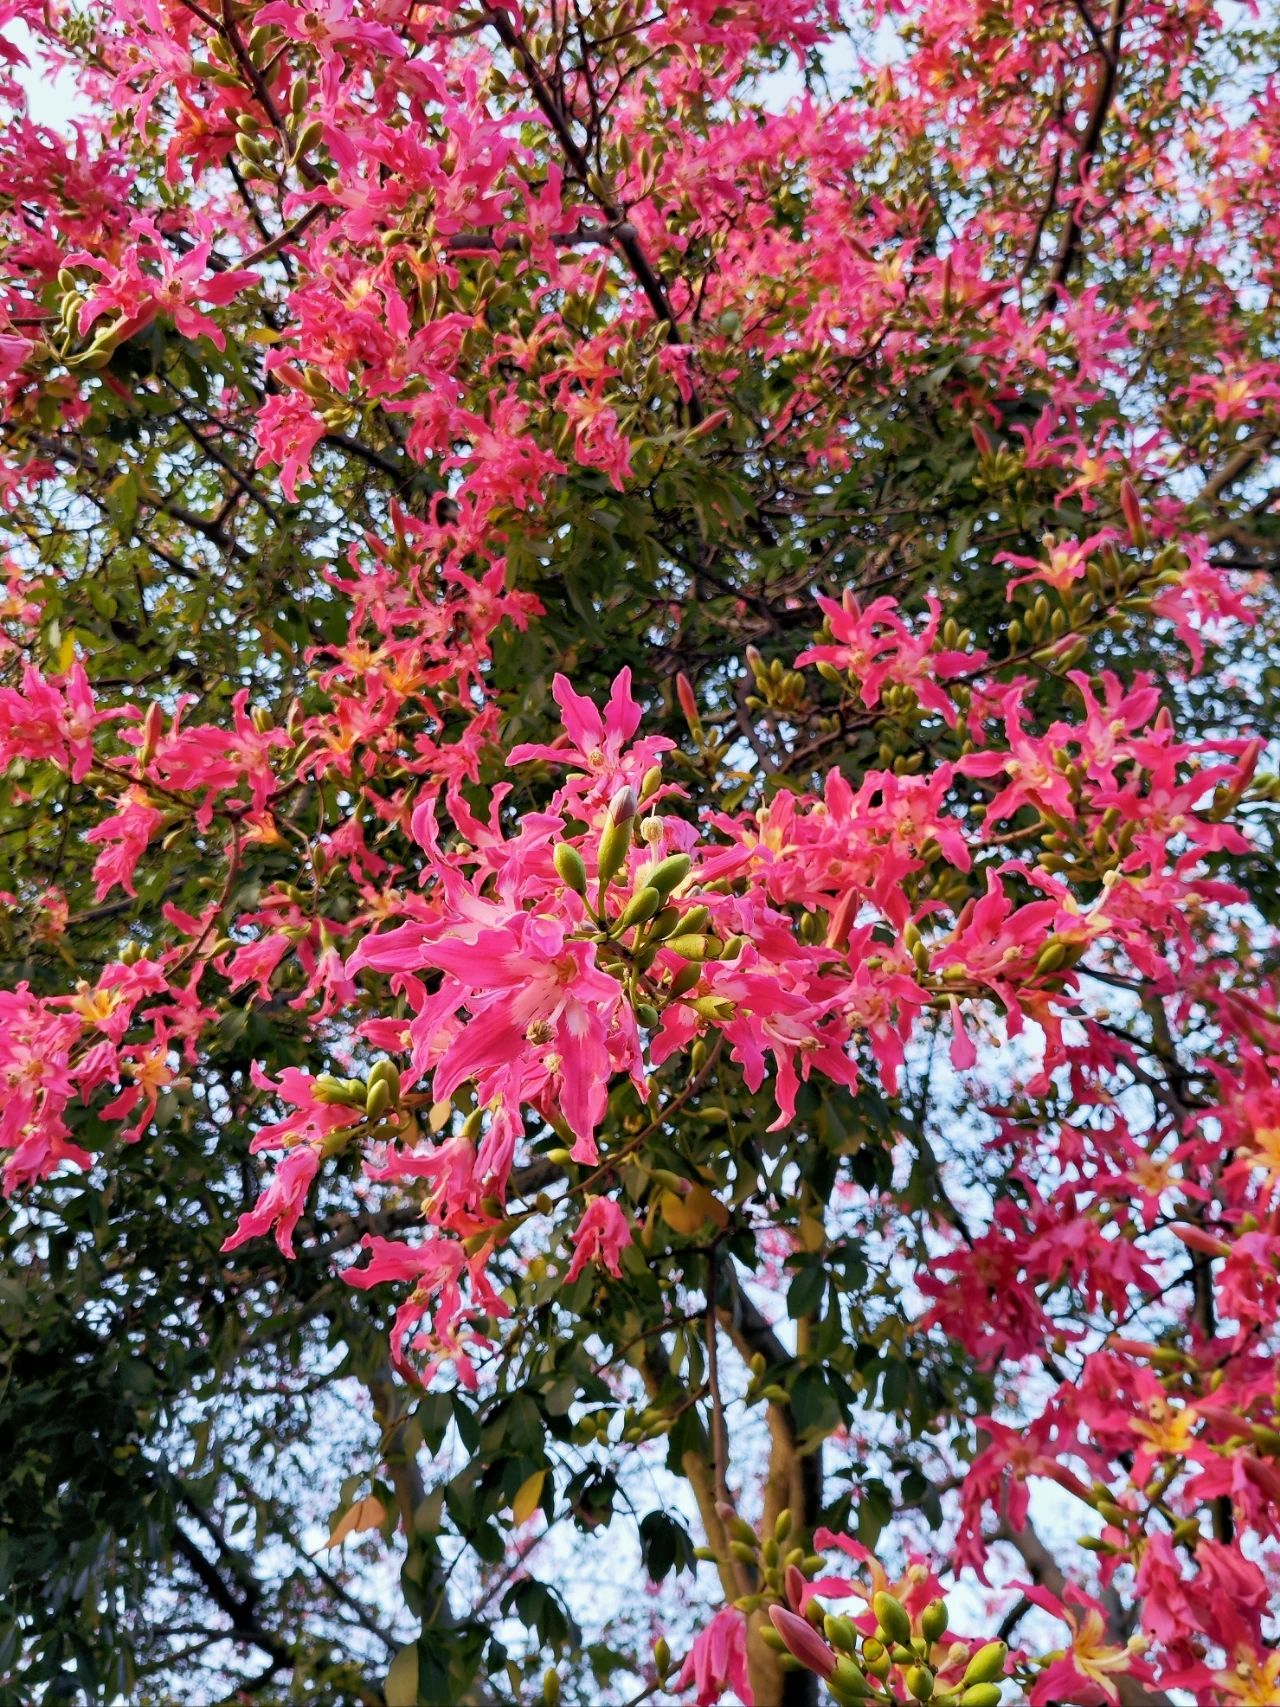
[
  {"x": 639, "y": 909},
  {"x": 570, "y": 869},
  {"x": 892, "y": 1617},
  {"x": 670, "y": 872},
  {"x": 385, "y": 1072},
  {"x": 933, "y": 1621},
  {"x": 692, "y": 947},
  {"x": 981, "y": 1695},
  {"x": 840, "y": 1633},
  {"x": 616, "y": 837},
  {"x": 986, "y": 1665},
  {"x": 847, "y": 1682},
  {"x": 919, "y": 1680}
]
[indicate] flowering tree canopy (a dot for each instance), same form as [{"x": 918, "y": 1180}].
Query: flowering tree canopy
[{"x": 634, "y": 690}]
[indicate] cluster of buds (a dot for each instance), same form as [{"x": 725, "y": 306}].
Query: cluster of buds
[
  {"x": 375, "y": 1096},
  {"x": 777, "y": 688},
  {"x": 652, "y": 917},
  {"x": 903, "y": 1656},
  {"x": 999, "y": 466},
  {"x": 772, "y": 1564},
  {"x": 63, "y": 343}
]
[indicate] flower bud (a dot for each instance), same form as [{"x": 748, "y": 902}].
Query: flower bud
[
  {"x": 839, "y": 1632},
  {"x": 892, "y": 1617},
  {"x": 847, "y": 1681},
  {"x": 803, "y": 1641},
  {"x": 639, "y": 909},
  {"x": 696, "y": 948},
  {"x": 152, "y": 724},
  {"x": 986, "y": 1665},
  {"x": 688, "y": 704},
  {"x": 919, "y": 1681},
  {"x": 1131, "y": 505},
  {"x": 386, "y": 1072},
  {"x": 616, "y": 837},
  {"x": 933, "y": 1621},
  {"x": 570, "y": 868},
  {"x": 378, "y": 1099},
  {"x": 981, "y": 1695},
  {"x": 669, "y": 873}
]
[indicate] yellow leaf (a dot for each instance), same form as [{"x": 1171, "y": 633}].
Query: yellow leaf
[
  {"x": 401, "y": 1687},
  {"x": 688, "y": 1212},
  {"x": 813, "y": 1235},
  {"x": 438, "y": 1119},
  {"x": 367, "y": 1513},
  {"x": 67, "y": 652},
  {"x": 525, "y": 1503}
]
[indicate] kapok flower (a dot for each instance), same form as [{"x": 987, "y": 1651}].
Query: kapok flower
[
  {"x": 718, "y": 1661},
  {"x": 281, "y": 1203},
  {"x": 1086, "y": 1671},
  {"x": 602, "y": 1235}
]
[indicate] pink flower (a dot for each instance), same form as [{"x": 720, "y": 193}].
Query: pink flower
[
  {"x": 602, "y": 1235},
  {"x": 281, "y": 1203},
  {"x": 595, "y": 742},
  {"x": 126, "y": 835},
  {"x": 51, "y": 718},
  {"x": 718, "y": 1661}
]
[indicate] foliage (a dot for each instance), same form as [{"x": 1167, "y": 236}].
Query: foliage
[{"x": 635, "y": 672}]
